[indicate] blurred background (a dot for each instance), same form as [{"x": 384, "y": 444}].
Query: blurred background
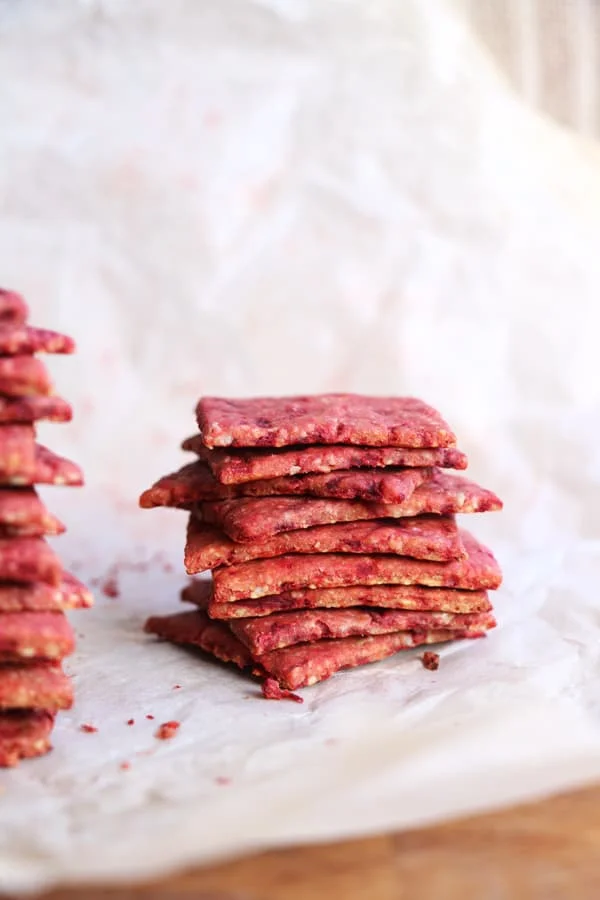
[{"x": 275, "y": 196}]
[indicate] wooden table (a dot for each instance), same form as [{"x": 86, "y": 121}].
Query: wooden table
[{"x": 547, "y": 851}]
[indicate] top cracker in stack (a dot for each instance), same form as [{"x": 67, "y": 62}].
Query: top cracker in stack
[
  {"x": 330, "y": 529},
  {"x": 34, "y": 590}
]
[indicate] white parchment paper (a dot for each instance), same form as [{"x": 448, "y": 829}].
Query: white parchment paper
[{"x": 279, "y": 196}]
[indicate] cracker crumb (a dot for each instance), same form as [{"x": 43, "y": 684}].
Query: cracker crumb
[
  {"x": 222, "y": 780},
  {"x": 149, "y": 716},
  {"x": 431, "y": 660},
  {"x": 88, "y": 729},
  {"x": 125, "y": 766},
  {"x": 131, "y": 721},
  {"x": 109, "y": 587},
  {"x": 167, "y": 730},
  {"x": 272, "y": 691}
]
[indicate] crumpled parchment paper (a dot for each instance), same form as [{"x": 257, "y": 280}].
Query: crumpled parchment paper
[{"x": 251, "y": 197}]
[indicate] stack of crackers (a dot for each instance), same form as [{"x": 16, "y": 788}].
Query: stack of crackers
[
  {"x": 34, "y": 591},
  {"x": 329, "y": 525}
]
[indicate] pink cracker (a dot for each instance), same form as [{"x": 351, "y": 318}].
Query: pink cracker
[
  {"x": 35, "y": 686},
  {"x": 42, "y": 597},
  {"x": 28, "y": 636},
  {"x": 24, "y": 376},
  {"x": 24, "y": 734},
  {"x": 321, "y": 419},
  {"x": 25, "y": 340}
]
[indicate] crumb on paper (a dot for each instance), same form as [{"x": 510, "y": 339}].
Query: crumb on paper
[
  {"x": 109, "y": 587},
  {"x": 167, "y": 730},
  {"x": 131, "y": 721},
  {"x": 176, "y": 687},
  {"x": 431, "y": 660},
  {"x": 272, "y": 691},
  {"x": 149, "y": 716},
  {"x": 88, "y": 729},
  {"x": 125, "y": 766},
  {"x": 222, "y": 780}
]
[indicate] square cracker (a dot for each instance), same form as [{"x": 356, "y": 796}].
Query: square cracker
[
  {"x": 286, "y": 629},
  {"x": 292, "y": 667},
  {"x": 29, "y": 559},
  {"x": 41, "y": 597},
  {"x": 17, "y": 451},
  {"x": 13, "y": 309},
  {"x": 35, "y": 686},
  {"x": 195, "y": 482},
  {"x": 386, "y": 596},
  {"x": 321, "y": 419},
  {"x": 264, "y": 577},
  {"x": 422, "y": 537},
  {"x": 22, "y": 509},
  {"x": 24, "y": 376},
  {"x": 236, "y": 466},
  {"x": 49, "y": 468},
  {"x": 257, "y": 519},
  {"x": 27, "y": 636},
  {"x": 25, "y": 340},
  {"x": 24, "y": 734},
  {"x": 34, "y": 409}
]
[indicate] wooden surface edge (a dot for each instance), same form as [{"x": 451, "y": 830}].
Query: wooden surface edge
[{"x": 547, "y": 850}]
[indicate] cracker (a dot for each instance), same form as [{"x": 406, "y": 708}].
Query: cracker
[
  {"x": 35, "y": 635},
  {"x": 49, "y": 468},
  {"x": 288, "y": 628},
  {"x": 17, "y": 451},
  {"x": 292, "y": 667},
  {"x": 35, "y": 686},
  {"x": 24, "y": 734},
  {"x": 42, "y": 597},
  {"x": 195, "y": 482},
  {"x": 22, "y": 508},
  {"x": 422, "y": 537},
  {"x": 257, "y": 519},
  {"x": 13, "y": 309},
  {"x": 386, "y": 596},
  {"x": 264, "y": 577},
  {"x": 25, "y": 340},
  {"x": 321, "y": 419},
  {"x": 24, "y": 376},
  {"x": 240, "y": 465},
  {"x": 29, "y": 559},
  {"x": 34, "y": 409}
]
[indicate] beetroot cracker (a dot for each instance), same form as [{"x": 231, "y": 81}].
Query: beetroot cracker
[
  {"x": 35, "y": 686},
  {"x": 17, "y": 451},
  {"x": 422, "y": 537},
  {"x": 292, "y": 667},
  {"x": 260, "y": 578},
  {"x": 24, "y": 376},
  {"x": 42, "y": 597},
  {"x": 241, "y": 465},
  {"x": 49, "y": 468},
  {"x": 26, "y": 340},
  {"x": 195, "y": 482},
  {"x": 321, "y": 419},
  {"x": 257, "y": 519},
  {"x": 386, "y": 596},
  {"x": 22, "y": 509},
  {"x": 13, "y": 309},
  {"x": 35, "y": 635},
  {"x": 196, "y": 629},
  {"x": 288, "y": 628},
  {"x": 29, "y": 559},
  {"x": 34, "y": 409},
  {"x": 24, "y": 734}
]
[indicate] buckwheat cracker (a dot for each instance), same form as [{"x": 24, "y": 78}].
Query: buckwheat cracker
[
  {"x": 26, "y": 340},
  {"x": 35, "y": 636},
  {"x": 41, "y": 597},
  {"x": 386, "y": 596},
  {"x": 286, "y": 629},
  {"x": 13, "y": 309},
  {"x": 35, "y": 686},
  {"x": 24, "y": 734},
  {"x": 422, "y": 537},
  {"x": 257, "y": 519},
  {"x": 34, "y": 409},
  {"x": 24, "y": 376},
  {"x": 264, "y": 577},
  {"x": 236, "y": 466},
  {"x": 49, "y": 468},
  {"x": 17, "y": 450},
  {"x": 22, "y": 508},
  {"x": 321, "y": 419},
  {"x": 195, "y": 482}
]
